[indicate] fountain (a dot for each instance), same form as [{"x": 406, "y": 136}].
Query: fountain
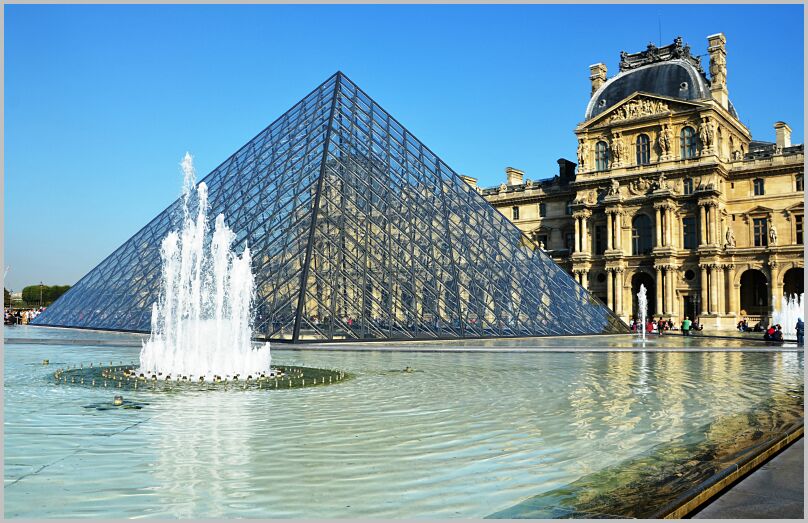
[
  {"x": 642, "y": 305},
  {"x": 202, "y": 322},
  {"x": 792, "y": 308}
]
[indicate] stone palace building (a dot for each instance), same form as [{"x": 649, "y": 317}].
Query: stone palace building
[{"x": 670, "y": 191}]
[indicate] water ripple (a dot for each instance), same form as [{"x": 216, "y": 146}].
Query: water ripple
[{"x": 463, "y": 436}]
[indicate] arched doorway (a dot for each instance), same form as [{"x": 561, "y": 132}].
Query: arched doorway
[
  {"x": 643, "y": 278},
  {"x": 793, "y": 282},
  {"x": 754, "y": 293}
]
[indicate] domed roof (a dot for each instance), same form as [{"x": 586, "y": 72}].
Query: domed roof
[{"x": 668, "y": 71}]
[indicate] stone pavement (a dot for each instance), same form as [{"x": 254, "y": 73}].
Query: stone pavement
[{"x": 774, "y": 491}]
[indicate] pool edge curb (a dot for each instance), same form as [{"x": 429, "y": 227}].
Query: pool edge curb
[{"x": 709, "y": 490}]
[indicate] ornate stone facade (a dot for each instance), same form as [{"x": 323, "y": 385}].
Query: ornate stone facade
[{"x": 673, "y": 193}]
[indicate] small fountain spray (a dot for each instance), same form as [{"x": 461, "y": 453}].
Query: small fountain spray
[
  {"x": 642, "y": 305},
  {"x": 792, "y": 308}
]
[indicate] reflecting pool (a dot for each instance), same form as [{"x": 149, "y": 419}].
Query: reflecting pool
[{"x": 464, "y": 435}]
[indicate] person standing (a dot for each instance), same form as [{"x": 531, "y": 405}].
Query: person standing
[
  {"x": 686, "y": 326},
  {"x": 800, "y": 328}
]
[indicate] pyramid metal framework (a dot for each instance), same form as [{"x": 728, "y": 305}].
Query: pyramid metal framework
[{"x": 358, "y": 231}]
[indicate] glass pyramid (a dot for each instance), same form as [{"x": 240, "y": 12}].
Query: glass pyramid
[{"x": 358, "y": 231}]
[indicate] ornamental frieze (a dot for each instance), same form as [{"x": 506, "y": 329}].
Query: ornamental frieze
[{"x": 638, "y": 108}]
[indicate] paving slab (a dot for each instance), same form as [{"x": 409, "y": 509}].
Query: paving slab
[{"x": 774, "y": 491}]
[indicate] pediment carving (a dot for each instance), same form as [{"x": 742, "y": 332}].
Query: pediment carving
[
  {"x": 640, "y": 105},
  {"x": 637, "y": 108}
]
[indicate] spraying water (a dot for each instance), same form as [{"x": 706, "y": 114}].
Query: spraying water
[
  {"x": 201, "y": 325},
  {"x": 791, "y": 308},
  {"x": 642, "y": 305}
]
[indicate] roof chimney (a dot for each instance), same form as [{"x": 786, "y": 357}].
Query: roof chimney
[
  {"x": 783, "y": 133},
  {"x": 718, "y": 68},
  {"x": 469, "y": 180},
  {"x": 514, "y": 176},
  {"x": 597, "y": 75}
]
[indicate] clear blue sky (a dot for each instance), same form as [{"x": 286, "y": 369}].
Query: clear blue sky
[{"x": 101, "y": 102}]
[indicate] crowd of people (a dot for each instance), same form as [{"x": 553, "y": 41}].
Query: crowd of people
[
  {"x": 20, "y": 316},
  {"x": 661, "y": 326},
  {"x": 773, "y": 332}
]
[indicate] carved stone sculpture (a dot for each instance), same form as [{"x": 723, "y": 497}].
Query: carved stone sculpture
[
  {"x": 704, "y": 135},
  {"x": 711, "y": 130},
  {"x": 616, "y": 148},
  {"x": 661, "y": 183},
  {"x": 614, "y": 190},
  {"x": 772, "y": 233},
  {"x": 639, "y": 186},
  {"x": 583, "y": 151},
  {"x": 638, "y": 108},
  {"x": 730, "y": 238},
  {"x": 665, "y": 140}
]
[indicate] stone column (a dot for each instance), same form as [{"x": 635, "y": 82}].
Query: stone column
[
  {"x": 618, "y": 291},
  {"x": 733, "y": 296},
  {"x": 668, "y": 226},
  {"x": 674, "y": 300},
  {"x": 776, "y": 286},
  {"x": 658, "y": 228},
  {"x": 609, "y": 289},
  {"x": 722, "y": 291},
  {"x": 585, "y": 279},
  {"x": 609, "y": 228},
  {"x": 584, "y": 235},
  {"x": 716, "y": 226},
  {"x": 658, "y": 285},
  {"x": 618, "y": 233},
  {"x": 711, "y": 223},
  {"x": 703, "y": 289},
  {"x": 702, "y": 228},
  {"x": 713, "y": 290},
  {"x": 577, "y": 246},
  {"x": 669, "y": 290}
]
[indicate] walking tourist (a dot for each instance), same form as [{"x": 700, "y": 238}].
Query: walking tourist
[{"x": 686, "y": 325}]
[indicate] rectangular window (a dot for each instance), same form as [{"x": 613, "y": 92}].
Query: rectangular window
[
  {"x": 600, "y": 239},
  {"x": 689, "y": 238},
  {"x": 800, "y": 186},
  {"x": 688, "y": 185},
  {"x": 542, "y": 210},
  {"x": 759, "y": 226},
  {"x": 798, "y": 228},
  {"x": 758, "y": 186},
  {"x": 569, "y": 241},
  {"x": 568, "y": 209},
  {"x": 515, "y": 212}
]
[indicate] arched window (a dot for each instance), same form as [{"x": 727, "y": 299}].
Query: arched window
[
  {"x": 601, "y": 156},
  {"x": 643, "y": 150},
  {"x": 641, "y": 235},
  {"x": 688, "y": 142}
]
